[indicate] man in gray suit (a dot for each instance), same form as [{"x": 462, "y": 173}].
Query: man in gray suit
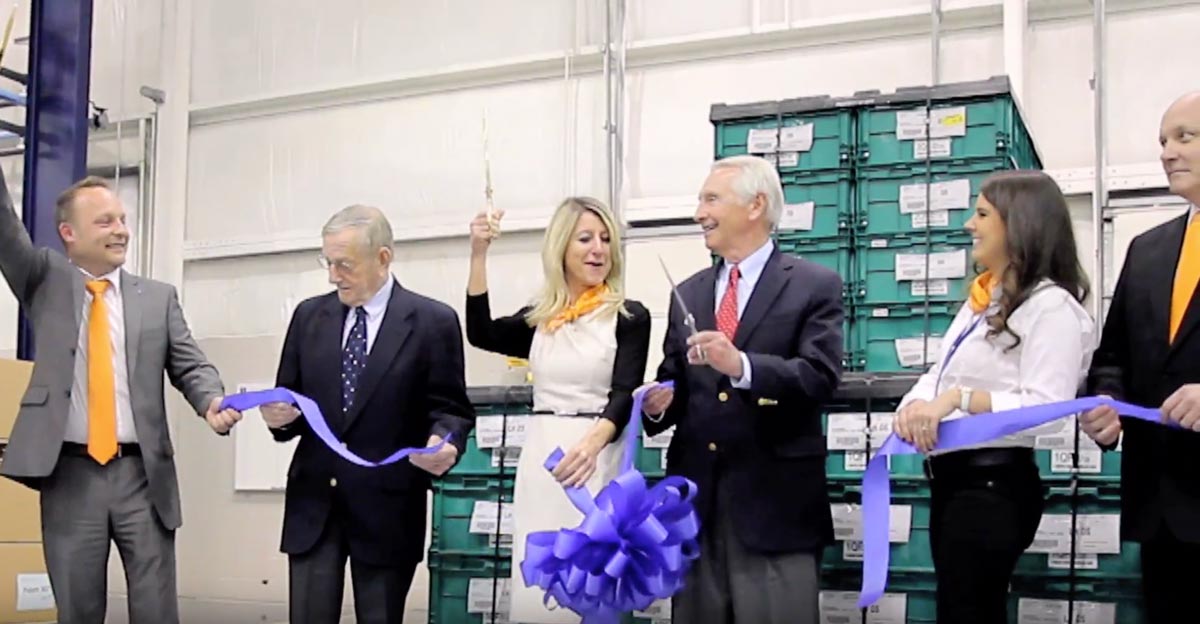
[{"x": 92, "y": 432}]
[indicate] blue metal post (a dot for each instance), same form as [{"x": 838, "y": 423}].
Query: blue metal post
[{"x": 56, "y": 120}]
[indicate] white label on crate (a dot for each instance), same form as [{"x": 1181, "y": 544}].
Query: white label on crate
[
  {"x": 1041, "y": 611},
  {"x": 1083, "y": 561},
  {"x": 838, "y": 607},
  {"x": 797, "y": 216},
  {"x": 948, "y": 195},
  {"x": 941, "y": 265},
  {"x": 880, "y": 313},
  {"x": 480, "y": 592},
  {"x": 658, "y": 610},
  {"x": 917, "y": 352},
  {"x": 488, "y": 430},
  {"x": 892, "y": 608},
  {"x": 855, "y": 461},
  {"x": 1089, "y": 461},
  {"x": 937, "y": 148},
  {"x": 1060, "y": 438},
  {"x": 847, "y": 432},
  {"x": 660, "y": 441},
  {"x": 847, "y": 522},
  {"x": 881, "y": 428},
  {"x": 1053, "y": 535},
  {"x": 879, "y": 243},
  {"x": 852, "y": 550},
  {"x": 943, "y": 122},
  {"x": 796, "y": 138},
  {"x": 510, "y": 457},
  {"x": 662, "y": 461},
  {"x": 936, "y": 218},
  {"x": 932, "y": 288},
  {"x": 34, "y": 592},
  {"x": 762, "y": 140},
  {"x": 483, "y": 518},
  {"x": 785, "y": 159},
  {"x": 1098, "y": 534}
]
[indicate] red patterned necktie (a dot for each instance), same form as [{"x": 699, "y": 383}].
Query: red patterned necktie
[{"x": 727, "y": 313}]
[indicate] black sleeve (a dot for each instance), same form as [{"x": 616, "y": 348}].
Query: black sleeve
[
  {"x": 629, "y": 369},
  {"x": 509, "y": 335},
  {"x": 288, "y": 375},
  {"x": 1107, "y": 373},
  {"x": 672, "y": 368},
  {"x": 450, "y": 411}
]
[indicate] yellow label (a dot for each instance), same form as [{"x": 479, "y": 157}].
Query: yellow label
[{"x": 954, "y": 120}]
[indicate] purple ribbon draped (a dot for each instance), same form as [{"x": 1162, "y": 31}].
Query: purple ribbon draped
[
  {"x": 316, "y": 421},
  {"x": 977, "y": 429},
  {"x": 634, "y": 546}
]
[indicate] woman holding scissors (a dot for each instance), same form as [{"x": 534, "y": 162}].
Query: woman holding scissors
[
  {"x": 1022, "y": 338},
  {"x": 587, "y": 347}
]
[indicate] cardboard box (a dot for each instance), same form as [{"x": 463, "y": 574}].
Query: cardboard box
[
  {"x": 24, "y": 585},
  {"x": 14, "y": 378},
  {"x": 20, "y": 514}
]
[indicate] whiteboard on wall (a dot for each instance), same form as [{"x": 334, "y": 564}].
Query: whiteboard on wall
[{"x": 260, "y": 464}]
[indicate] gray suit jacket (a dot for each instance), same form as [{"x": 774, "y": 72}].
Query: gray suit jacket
[{"x": 51, "y": 291}]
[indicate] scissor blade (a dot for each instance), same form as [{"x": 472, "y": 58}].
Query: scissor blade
[{"x": 688, "y": 319}]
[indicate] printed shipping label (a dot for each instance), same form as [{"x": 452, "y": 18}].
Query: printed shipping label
[
  {"x": 796, "y": 138},
  {"x": 483, "y": 518},
  {"x": 949, "y": 195},
  {"x": 488, "y": 430}
]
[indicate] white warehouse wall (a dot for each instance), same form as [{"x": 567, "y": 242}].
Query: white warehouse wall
[{"x": 300, "y": 107}]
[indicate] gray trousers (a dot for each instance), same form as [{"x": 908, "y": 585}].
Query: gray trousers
[
  {"x": 85, "y": 508},
  {"x": 729, "y": 584}
]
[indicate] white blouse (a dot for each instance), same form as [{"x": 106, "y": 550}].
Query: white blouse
[{"x": 1057, "y": 340}]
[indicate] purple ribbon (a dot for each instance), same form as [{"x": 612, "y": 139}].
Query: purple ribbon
[
  {"x": 977, "y": 429},
  {"x": 316, "y": 421},
  {"x": 634, "y": 546}
]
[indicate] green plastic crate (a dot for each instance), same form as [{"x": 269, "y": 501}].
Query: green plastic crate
[
  {"x": 877, "y": 329},
  {"x": 649, "y": 462},
  {"x": 911, "y": 557},
  {"x": 918, "y": 592},
  {"x": 832, "y": 198},
  {"x": 454, "y": 500},
  {"x": 992, "y": 128},
  {"x": 831, "y": 253},
  {"x": 832, "y": 131},
  {"x": 875, "y": 261},
  {"x": 1124, "y": 596},
  {"x": 449, "y": 588},
  {"x": 952, "y": 191},
  {"x": 1093, "y": 498},
  {"x": 839, "y": 471}
]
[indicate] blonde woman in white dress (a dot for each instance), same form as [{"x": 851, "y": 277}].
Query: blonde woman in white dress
[{"x": 587, "y": 347}]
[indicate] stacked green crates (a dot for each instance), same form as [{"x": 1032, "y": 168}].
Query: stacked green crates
[
  {"x": 812, "y": 143},
  {"x": 916, "y": 186}
]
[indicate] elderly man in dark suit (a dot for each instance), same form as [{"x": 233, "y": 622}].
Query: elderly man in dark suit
[
  {"x": 385, "y": 366},
  {"x": 92, "y": 433},
  {"x": 746, "y": 403},
  {"x": 1149, "y": 355}
]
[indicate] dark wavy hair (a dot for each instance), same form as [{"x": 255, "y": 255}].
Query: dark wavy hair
[{"x": 1040, "y": 241}]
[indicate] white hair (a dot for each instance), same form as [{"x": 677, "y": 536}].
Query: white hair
[
  {"x": 756, "y": 175},
  {"x": 368, "y": 220}
]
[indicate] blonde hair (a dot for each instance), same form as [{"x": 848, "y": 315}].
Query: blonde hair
[{"x": 554, "y": 296}]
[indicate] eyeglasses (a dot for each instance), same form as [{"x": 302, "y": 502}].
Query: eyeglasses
[{"x": 341, "y": 266}]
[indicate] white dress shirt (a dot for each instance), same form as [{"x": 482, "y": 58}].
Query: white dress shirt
[
  {"x": 375, "y": 307},
  {"x": 1057, "y": 341},
  {"x": 77, "y": 418},
  {"x": 750, "y": 269}
]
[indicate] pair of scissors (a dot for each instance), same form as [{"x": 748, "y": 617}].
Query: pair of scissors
[
  {"x": 688, "y": 319},
  {"x": 487, "y": 189}
]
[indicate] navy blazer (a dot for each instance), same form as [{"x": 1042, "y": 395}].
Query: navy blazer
[
  {"x": 413, "y": 386},
  {"x": 767, "y": 441}
]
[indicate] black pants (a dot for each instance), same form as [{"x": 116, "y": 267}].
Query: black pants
[
  {"x": 982, "y": 518},
  {"x": 317, "y": 577},
  {"x": 1168, "y": 581}
]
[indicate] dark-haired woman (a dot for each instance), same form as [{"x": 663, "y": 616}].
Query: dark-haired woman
[{"x": 1022, "y": 338}]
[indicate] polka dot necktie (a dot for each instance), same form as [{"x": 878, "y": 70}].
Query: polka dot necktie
[
  {"x": 354, "y": 358},
  {"x": 727, "y": 312}
]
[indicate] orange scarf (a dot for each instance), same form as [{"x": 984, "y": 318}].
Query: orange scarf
[
  {"x": 981, "y": 292},
  {"x": 591, "y": 299}
]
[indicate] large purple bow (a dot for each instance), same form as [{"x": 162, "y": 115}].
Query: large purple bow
[
  {"x": 977, "y": 429},
  {"x": 634, "y": 546},
  {"x": 316, "y": 421}
]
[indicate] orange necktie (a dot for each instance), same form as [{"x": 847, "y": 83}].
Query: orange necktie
[
  {"x": 102, "y": 399},
  {"x": 1187, "y": 273}
]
